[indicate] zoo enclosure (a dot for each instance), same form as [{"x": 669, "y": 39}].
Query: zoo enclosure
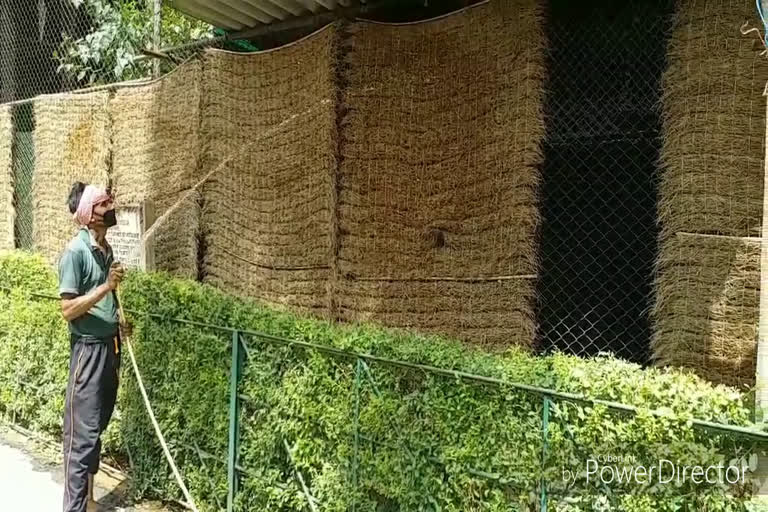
[{"x": 640, "y": 147}]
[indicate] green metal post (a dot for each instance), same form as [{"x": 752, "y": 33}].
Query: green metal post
[
  {"x": 545, "y": 449},
  {"x": 356, "y": 455},
  {"x": 234, "y": 422}
]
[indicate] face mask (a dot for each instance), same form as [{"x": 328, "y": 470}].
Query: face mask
[{"x": 109, "y": 218}]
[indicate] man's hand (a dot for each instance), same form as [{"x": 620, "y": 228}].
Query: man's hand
[
  {"x": 126, "y": 328},
  {"x": 116, "y": 274}
]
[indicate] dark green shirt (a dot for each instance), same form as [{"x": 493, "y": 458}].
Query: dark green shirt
[{"x": 83, "y": 267}]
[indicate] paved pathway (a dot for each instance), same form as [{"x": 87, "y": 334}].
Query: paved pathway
[
  {"x": 31, "y": 480},
  {"x": 24, "y": 485}
]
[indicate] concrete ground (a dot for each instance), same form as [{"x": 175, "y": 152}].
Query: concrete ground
[{"x": 31, "y": 478}]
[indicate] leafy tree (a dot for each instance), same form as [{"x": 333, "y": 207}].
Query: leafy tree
[{"x": 121, "y": 28}]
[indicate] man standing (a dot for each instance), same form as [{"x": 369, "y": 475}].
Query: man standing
[{"x": 88, "y": 278}]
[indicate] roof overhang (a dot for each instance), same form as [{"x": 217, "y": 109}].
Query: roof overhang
[{"x": 239, "y": 15}]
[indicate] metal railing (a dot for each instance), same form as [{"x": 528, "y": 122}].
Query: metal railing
[{"x": 241, "y": 352}]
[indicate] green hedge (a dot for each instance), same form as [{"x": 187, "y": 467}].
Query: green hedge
[{"x": 426, "y": 442}]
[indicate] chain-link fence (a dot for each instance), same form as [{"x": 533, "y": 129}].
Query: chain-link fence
[
  {"x": 23, "y": 172},
  {"x": 649, "y": 187},
  {"x": 598, "y": 242},
  {"x": 50, "y": 46},
  {"x": 54, "y": 46},
  {"x": 30, "y": 35},
  {"x": 652, "y": 184}
]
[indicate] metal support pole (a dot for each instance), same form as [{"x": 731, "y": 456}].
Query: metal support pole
[
  {"x": 761, "y": 389},
  {"x": 157, "y": 19},
  {"x": 760, "y": 477},
  {"x": 356, "y": 454},
  {"x": 761, "y": 378},
  {"x": 234, "y": 422},
  {"x": 544, "y": 451}
]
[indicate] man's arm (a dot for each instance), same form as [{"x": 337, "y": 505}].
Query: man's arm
[{"x": 74, "y": 306}]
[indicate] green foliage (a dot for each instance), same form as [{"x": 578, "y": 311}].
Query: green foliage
[
  {"x": 120, "y": 30},
  {"x": 425, "y": 442}
]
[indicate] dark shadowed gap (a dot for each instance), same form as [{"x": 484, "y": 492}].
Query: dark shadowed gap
[{"x": 599, "y": 231}]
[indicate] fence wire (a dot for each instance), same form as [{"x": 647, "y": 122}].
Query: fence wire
[
  {"x": 23, "y": 157},
  {"x": 56, "y": 46},
  {"x": 651, "y": 193},
  {"x": 599, "y": 234}
]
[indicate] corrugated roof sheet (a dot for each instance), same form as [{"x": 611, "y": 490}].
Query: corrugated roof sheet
[{"x": 244, "y": 14}]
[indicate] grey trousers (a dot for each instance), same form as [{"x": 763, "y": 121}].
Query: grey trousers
[{"x": 94, "y": 372}]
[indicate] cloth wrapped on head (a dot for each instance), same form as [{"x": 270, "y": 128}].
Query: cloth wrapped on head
[{"x": 92, "y": 196}]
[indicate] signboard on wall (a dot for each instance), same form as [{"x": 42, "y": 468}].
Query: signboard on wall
[{"x": 126, "y": 238}]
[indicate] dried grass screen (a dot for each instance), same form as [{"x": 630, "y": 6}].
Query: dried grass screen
[
  {"x": 144, "y": 139},
  {"x": 156, "y": 145},
  {"x": 365, "y": 173},
  {"x": 268, "y": 209},
  {"x": 440, "y": 140},
  {"x": 404, "y": 195},
  {"x": 710, "y": 196},
  {"x": 72, "y": 143}
]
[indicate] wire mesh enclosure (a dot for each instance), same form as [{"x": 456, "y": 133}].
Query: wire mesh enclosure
[
  {"x": 576, "y": 177},
  {"x": 50, "y": 47},
  {"x": 23, "y": 168},
  {"x": 31, "y": 34}
]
